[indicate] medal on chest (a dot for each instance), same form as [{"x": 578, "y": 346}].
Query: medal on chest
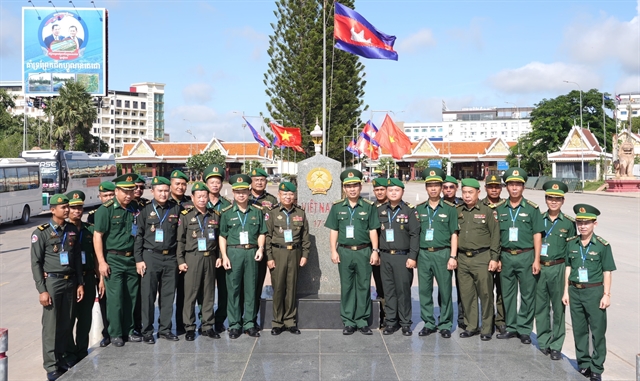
[
  {"x": 194, "y": 234},
  {"x": 153, "y": 228}
]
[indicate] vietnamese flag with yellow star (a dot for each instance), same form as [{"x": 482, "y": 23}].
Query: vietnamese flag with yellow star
[
  {"x": 393, "y": 139},
  {"x": 287, "y": 136}
]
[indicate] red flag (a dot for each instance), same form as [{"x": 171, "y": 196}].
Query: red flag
[
  {"x": 298, "y": 149},
  {"x": 372, "y": 151},
  {"x": 287, "y": 136},
  {"x": 393, "y": 139}
]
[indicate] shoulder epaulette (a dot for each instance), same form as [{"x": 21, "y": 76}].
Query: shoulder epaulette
[
  {"x": 459, "y": 205},
  {"x": 532, "y": 203},
  {"x": 379, "y": 205},
  {"x": 257, "y": 206},
  {"x": 572, "y": 238},
  {"x": 227, "y": 208},
  {"x": 367, "y": 201},
  {"x": 499, "y": 203},
  {"x": 422, "y": 203},
  {"x": 492, "y": 206},
  {"x": 228, "y": 199},
  {"x": 43, "y": 226},
  {"x": 185, "y": 211},
  {"x": 93, "y": 211},
  {"x": 188, "y": 207},
  {"x": 339, "y": 201},
  {"x": 216, "y": 212},
  {"x": 449, "y": 203},
  {"x": 410, "y": 206},
  {"x": 108, "y": 203},
  {"x": 602, "y": 240},
  {"x": 276, "y": 206},
  {"x": 85, "y": 224},
  {"x": 568, "y": 217}
]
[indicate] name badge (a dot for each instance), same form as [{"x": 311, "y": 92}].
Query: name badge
[
  {"x": 543, "y": 252},
  {"x": 134, "y": 230},
  {"x": 64, "y": 258},
  {"x": 288, "y": 235},
  {"x": 513, "y": 234},
  {"x": 159, "y": 235},
  {"x": 583, "y": 275},
  {"x": 212, "y": 234},
  {"x": 389, "y": 235},
  {"x": 202, "y": 244},
  {"x": 84, "y": 257},
  {"x": 244, "y": 238},
  {"x": 428, "y": 235},
  {"x": 350, "y": 231}
]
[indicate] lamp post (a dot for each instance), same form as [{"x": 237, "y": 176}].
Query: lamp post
[
  {"x": 316, "y": 136},
  {"x": 191, "y": 145},
  {"x": 582, "y": 149},
  {"x": 517, "y": 140}
]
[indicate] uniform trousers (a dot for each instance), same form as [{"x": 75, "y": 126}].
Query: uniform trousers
[
  {"x": 355, "y": 286},
  {"x": 549, "y": 293},
  {"x": 476, "y": 282},
  {"x": 396, "y": 280},
  {"x": 584, "y": 305},
  {"x": 158, "y": 280},
  {"x": 122, "y": 291},
  {"x": 242, "y": 277},
  {"x": 433, "y": 264},
  {"x": 284, "y": 279},
  {"x": 516, "y": 271},
  {"x": 77, "y": 348},
  {"x": 221, "y": 284},
  {"x": 56, "y": 321},
  {"x": 199, "y": 285}
]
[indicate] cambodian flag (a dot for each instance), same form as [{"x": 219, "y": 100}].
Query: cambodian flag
[
  {"x": 262, "y": 141},
  {"x": 355, "y": 35},
  {"x": 352, "y": 147}
]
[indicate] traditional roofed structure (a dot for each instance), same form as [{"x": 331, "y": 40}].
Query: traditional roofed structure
[{"x": 579, "y": 149}]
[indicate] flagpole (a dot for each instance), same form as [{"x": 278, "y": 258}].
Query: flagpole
[
  {"x": 324, "y": 77},
  {"x": 604, "y": 124}
]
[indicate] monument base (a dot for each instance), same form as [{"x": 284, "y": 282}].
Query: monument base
[
  {"x": 317, "y": 312},
  {"x": 623, "y": 185}
]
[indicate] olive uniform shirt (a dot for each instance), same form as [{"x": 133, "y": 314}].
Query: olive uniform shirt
[
  {"x": 48, "y": 242},
  {"x": 222, "y": 203},
  {"x": 404, "y": 221},
  {"x": 85, "y": 237},
  {"x": 266, "y": 200},
  {"x": 556, "y": 234},
  {"x": 116, "y": 223},
  {"x": 443, "y": 220},
  {"x": 185, "y": 203},
  {"x": 479, "y": 229},
  {"x": 278, "y": 219},
  {"x": 231, "y": 224},
  {"x": 526, "y": 217},
  {"x": 597, "y": 258},
  {"x": 364, "y": 219},
  {"x": 151, "y": 219},
  {"x": 194, "y": 225}
]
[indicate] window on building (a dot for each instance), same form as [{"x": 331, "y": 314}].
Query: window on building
[
  {"x": 416, "y": 138},
  {"x": 634, "y": 113},
  {"x": 135, "y": 104},
  {"x": 117, "y": 112},
  {"x": 433, "y": 130},
  {"x": 141, "y": 115},
  {"x": 118, "y": 103},
  {"x": 111, "y": 121},
  {"x": 416, "y": 130},
  {"x": 112, "y": 112},
  {"x": 504, "y": 133},
  {"x": 111, "y": 102},
  {"x": 117, "y": 122},
  {"x": 133, "y": 113},
  {"x": 125, "y": 113},
  {"x": 117, "y": 141},
  {"x": 143, "y": 105},
  {"x": 623, "y": 113},
  {"x": 112, "y": 130},
  {"x": 141, "y": 132},
  {"x": 440, "y": 129},
  {"x": 133, "y": 122},
  {"x": 483, "y": 133},
  {"x": 407, "y": 130},
  {"x": 473, "y": 133},
  {"x": 111, "y": 140},
  {"x": 127, "y": 104},
  {"x": 142, "y": 123},
  {"x": 118, "y": 131}
]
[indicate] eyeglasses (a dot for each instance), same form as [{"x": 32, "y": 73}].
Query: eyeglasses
[
  {"x": 140, "y": 187},
  {"x": 449, "y": 187}
]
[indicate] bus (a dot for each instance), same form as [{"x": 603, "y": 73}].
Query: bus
[
  {"x": 20, "y": 190},
  {"x": 64, "y": 171}
]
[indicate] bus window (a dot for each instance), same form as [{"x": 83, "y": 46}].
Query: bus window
[
  {"x": 11, "y": 178},
  {"x": 34, "y": 179},
  {"x": 23, "y": 178},
  {"x": 3, "y": 187}
]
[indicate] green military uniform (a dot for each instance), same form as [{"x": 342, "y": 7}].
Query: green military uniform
[
  {"x": 198, "y": 249},
  {"x": 54, "y": 251},
  {"x": 287, "y": 242},
  {"x": 354, "y": 247},
  {"x": 586, "y": 292},
  {"x": 118, "y": 226},
  {"x": 375, "y": 270},
  {"x": 478, "y": 244},
  {"x": 104, "y": 187},
  {"x": 518, "y": 256},
  {"x": 399, "y": 240},
  {"x": 498, "y": 318},
  {"x": 550, "y": 287},
  {"x": 184, "y": 203}
]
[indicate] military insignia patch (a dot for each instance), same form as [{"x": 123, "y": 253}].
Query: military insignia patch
[
  {"x": 34, "y": 238},
  {"x": 516, "y": 173},
  {"x": 555, "y": 187},
  {"x": 129, "y": 178},
  {"x": 583, "y": 210}
]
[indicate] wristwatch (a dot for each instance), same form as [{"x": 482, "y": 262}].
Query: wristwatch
[
  {"x": 377, "y": 250},
  {"x": 452, "y": 257}
]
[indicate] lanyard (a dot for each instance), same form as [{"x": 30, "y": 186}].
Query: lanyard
[
  {"x": 351, "y": 211},
  {"x": 549, "y": 231},
  {"x": 431, "y": 217},
  {"x": 582, "y": 253},
  {"x": 242, "y": 222},
  {"x": 205, "y": 223},
  {"x": 165, "y": 214},
  {"x": 287, "y": 214},
  {"x": 513, "y": 217},
  {"x": 394, "y": 215},
  {"x": 64, "y": 236}
]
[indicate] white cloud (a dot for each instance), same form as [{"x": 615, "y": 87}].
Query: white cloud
[
  {"x": 257, "y": 40},
  {"x": 10, "y": 38},
  {"x": 471, "y": 36},
  {"x": 541, "y": 77},
  {"x": 198, "y": 93},
  {"x": 420, "y": 40},
  {"x": 204, "y": 123},
  {"x": 630, "y": 84}
]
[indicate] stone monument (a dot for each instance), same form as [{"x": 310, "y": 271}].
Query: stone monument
[{"x": 624, "y": 181}]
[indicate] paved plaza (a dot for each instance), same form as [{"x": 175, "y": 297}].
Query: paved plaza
[{"x": 327, "y": 354}]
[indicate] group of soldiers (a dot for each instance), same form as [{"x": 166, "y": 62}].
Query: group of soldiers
[{"x": 133, "y": 252}]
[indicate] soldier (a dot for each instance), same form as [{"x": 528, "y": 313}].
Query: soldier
[
  {"x": 399, "y": 246},
  {"x": 449, "y": 190},
  {"x": 178, "y": 188},
  {"x": 214, "y": 176},
  {"x": 478, "y": 256},
  {"x": 57, "y": 271},
  {"x": 589, "y": 263},
  {"x": 242, "y": 231},
  {"x": 106, "y": 191},
  {"x": 380, "y": 191},
  {"x": 156, "y": 262},
  {"x": 287, "y": 245},
  {"x": 139, "y": 191},
  {"x": 438, "y": 254},
  {"x": 198, "y": 232},
  {"x": 493, "y": 187},
  {"x": 353, "y": 222},
  {"x": 113, "y": 240},
  {"x": 521, "y": 228}
]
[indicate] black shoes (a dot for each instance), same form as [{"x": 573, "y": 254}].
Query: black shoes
[
  {"x": 294, "y": 329},
  {"x": 190, "y": 335},
  {"x": 105, "y": 341},
  {"x": 53, "y": 376},
  {"x": 545, "y": 351},
  {"x": 585, "y": 372},
  {"x": 148, "y": 339},
  {"x": 595, "y": 377},
  {"x": 485, "y": 337},
  {"x": 234, "y": 333},
  {"x": 135, "y": 337},
  {"x": 168, "y": 336},
  {"x": 275, "y": 331},
  {"x": 390, "y": 330},
  {"x": 466, "y": 334},
  {"x": 366, "y": 331},
  {"x": 501, "y": 328},
  {"x": 180, "y": 331},
  {"x": 253, "y": 332},
  {"x": 525, "y": 339},
  {"x": 506, "y": 335},
  {"x": 406, "y": 331},
  {"x": 348, "y": 330},
  {"x": 211, "y": 333},
  {"x": 426, "y": 331},
  {"x": 117, "y": 341},
  {"x": 556, "y": 355},
  {"x": 445, "y": 333},
  {"x": 219, "y": 327}
]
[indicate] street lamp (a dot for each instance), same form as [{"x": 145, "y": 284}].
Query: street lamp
[
  {"x": 582, "y": 172},
  {"x": 517, "y": 140}
]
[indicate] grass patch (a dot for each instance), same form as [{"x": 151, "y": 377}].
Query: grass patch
[{"x": 592, "y": 185}]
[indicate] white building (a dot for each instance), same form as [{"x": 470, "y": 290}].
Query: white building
[
  {"x": 622, "y": 108},
  {"x": 473, "y": 124},
  {"x": 15, "y": 88}
]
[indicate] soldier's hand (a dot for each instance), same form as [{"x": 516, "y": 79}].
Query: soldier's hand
[
  {"x": 303, "y": 261},
  {"x": 45, "y": 299},
  {"x": 374, "y": 260},
  {"x": 499, "y": 266},
  {"x": 101, "y": 288},
  {"x": 493, "y": 265},
  {"x": 271, "y": 264},
  {"x": 79, "y": 293},
  {"x": 605, "y": 302},
  {"x": 183, "y": 268},
  {"x": 452, "y": 264},
  {"x": 141, "y": 268},
  {"x": 565, "y": 299},
  {"x": 258, "y": 256},
  {"x": 411, "y": 263},
  {"x": 335, "y": 257},
  {"x": 104, "y": 269},
  {"x": 535, "y": 268},
  {"x": 218, "y": 263},
  {"x": 226, "y": 263}
]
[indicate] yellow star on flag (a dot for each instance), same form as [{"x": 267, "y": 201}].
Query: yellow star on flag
[
  {"x": 286, "y": 135},
  {"x": 391, "y": 139}
]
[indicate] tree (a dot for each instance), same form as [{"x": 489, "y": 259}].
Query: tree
[
  {"x": 388, "y": 166},
  {"x": 198, "y": 163},
  {"x": 73, "y": 114},
  {"x": 294, "y": 83},
  {"x": 422, "y": 164},
  {"x": 250, "y": 165}
]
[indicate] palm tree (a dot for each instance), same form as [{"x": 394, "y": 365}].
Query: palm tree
[{"x": 73, "y": 112}]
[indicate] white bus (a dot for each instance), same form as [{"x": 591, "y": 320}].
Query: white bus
[
  {"x": 64, "y": 171},
  {"x": 20, "y": 190}
]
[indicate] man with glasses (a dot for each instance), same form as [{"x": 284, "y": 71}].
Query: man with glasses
[{"x": 139, "y": 191}]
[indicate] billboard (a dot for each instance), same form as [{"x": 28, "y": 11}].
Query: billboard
[
  {"x": 435, "y": 163},
  {"x": 62, "y": 45}
]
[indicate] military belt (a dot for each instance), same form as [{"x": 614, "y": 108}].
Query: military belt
[
  {"x": 355, "y": 247},
  {"x": 432, "y": 249},
  {"x": 551, "y": 263},
  {"x": 395, "y": 252},
  {"x": 585, "y": 285},
  {"x": 119, "y": 252},
  {"x": 61, "y": 276},
  {"x": 250, "y": 246},
  {"x": 163, "y": 252},
  {"x": 288, "y": 247},
  {"x": 516, "y": 251},
  {"x": 471, "y": 253}
]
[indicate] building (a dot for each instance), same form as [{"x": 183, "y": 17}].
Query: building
[
  {"x": 579, "y": 157},
  {"x": 33, "y": 110},
  {"x": 626, "y": 103}
]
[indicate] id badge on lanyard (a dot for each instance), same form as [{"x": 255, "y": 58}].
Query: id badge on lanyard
[
  {"x": 583, "y": 275},
  {"x": 134, "y": 230},
  {"x": 513, "y": 234},
  {"x": 244, "y": 238},
  {"x": 64, "y": 258},
  {"x": 159, "y": 235},
  {"x": 84, "y": 257},
  {"x": 428, "y": 235},
  {"x": 212, "y": 234},
  {"x": 202, "y": 244},
  {"x": 543, "y": 252},
  {"x": 288, "y": 235},
  {"x": 350, "y": 233},
  {"x": 389, "y": 235}
]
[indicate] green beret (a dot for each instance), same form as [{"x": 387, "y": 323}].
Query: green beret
[
  {"x": 76, "y": 198},
  {"x": 393, "y": 182},
  {"x": 139, "y": 180},
  {"x": 107, "y": 186},
  {"x": 240, "y": 181},
  {"x": 351, "y": 176},
  {"x": 159, "y": 180},
  {"x": 492, "y": 179},
  {"x": 177, "y": 174},
  {"x": 380, "y": 182},
  {"x": 199, "y": 186},
  {"x": 213, "y": 171},
  {"x": 515, "y": 174},
  {"x": 450, "y": 179},
  {"x": 258, "y": 172},
  {"x": 555, "y": 188},
  {"x": 58, "y": 199},
  {"x": 125, "y": 181},
  {"x": 473, "y": 183},
  {"x": 287, "y": 186},
  {"x": 433, "y": 174},
  {"x": 585, "y": 212}
]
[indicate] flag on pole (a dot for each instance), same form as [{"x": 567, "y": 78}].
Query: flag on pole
[
  {"x": 262, "y": 141},
  {"x": 370, "y": 130},
  {"x": 29, "y": 103},
  {"x": 352, "y": 147},
  {"x": 618, "y": 98},
  {"x": 393, "y": 139},
  {"x": 366, "y": 147},
  {"x": 355, "y": 35},
  {"x": 287, "y": 136},
  {"x": 298, "y": 149}
]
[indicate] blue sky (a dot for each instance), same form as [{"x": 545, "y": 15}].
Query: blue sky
[{"x": 212, "y": 55}]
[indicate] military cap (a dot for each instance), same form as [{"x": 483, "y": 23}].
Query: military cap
[
  {"x": 177, "y": 174},
  {"x": 555, "y": 188},
  {"x": 159, "y": 180},
  {"x": 380, "y": 182},
  {"x": 585, "y": 212},
  {"x": 515, "y": 174},
  {"x": 492, "y": 179},
  {"x": 351, "y": 176},
  {"x": 126, "y": 181},
  {"x": 58, "y": 199},
  {"x": 473, "y": 183},
  {"x": 76, "y": 198},
  {"x": 213, "y": 171},
  {"x": 258, "y": 172},
  {"x": 450, "y": 179},
  {"x": 107, "y": 186},
  {"x": 287, "y": 186},
  {"x": 199, "y": 186},
  {"x": 140, "y": 180},
  {"x": 240, "y": 181},
  {"x": 433, "y": 174},
  {"x": 393, "y": 182}
]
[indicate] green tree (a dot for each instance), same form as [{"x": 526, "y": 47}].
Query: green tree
[
  {"x": 422, "y": 164},
  {"x": 198, "y": 163},
  {"x": 387, "y": 165},
  {"x": 250, "y": 165},
  {"x": 73, "y": 114},
  {"x": 635, "y": 124},
  {"x": 294, "y": 82}
]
